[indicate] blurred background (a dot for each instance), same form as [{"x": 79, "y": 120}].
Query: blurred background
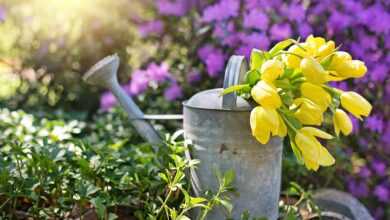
[{"x": 171, "y": 49}]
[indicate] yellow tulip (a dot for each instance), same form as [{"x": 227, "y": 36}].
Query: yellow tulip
[
  {"x": 355, "y": 104},
  {"x": 326, "y": 49},
  {"x": 313, "y": 71},
  {"x": 316, "y": 94},
  {"x": 308, "y": 112},
  {"x": 271, "y": 70},
  {"x": 314, "y": 43},
  {"x": 266, "y": 95},
  {"x": 351, "y": 68},
  {"x": 282, "y": 129},
  {"x": 263, "y": 122},
  {"x": 338, "y": 60},
  {"x": 313, "y": 153},
  {"x": 342, "y": 122},
  {"x": 292, "y": 61}
]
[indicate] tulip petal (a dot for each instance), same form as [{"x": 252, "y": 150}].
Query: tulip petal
[{"x": 316, "y": 132}]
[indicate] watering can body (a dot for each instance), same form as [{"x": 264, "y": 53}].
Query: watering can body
[{"x": 218, "y": 127}]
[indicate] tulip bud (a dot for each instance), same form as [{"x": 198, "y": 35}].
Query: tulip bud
[
  {"x": 263, "y": 122},
  {"x": 266, "y": 95},
  {"x": 271, "y": 70},
  {"x": 326, "y": 49},
  {"x": 292, "y": 61},
  {"x": 342, "y": 122},
  {"x": 338, "y": 59},
  {"x": 355, "y": 104},
  {"x": 316, "y": 94},
  {"x": 313, "y": 71},
  {"x": 308, "y": 112},
  {"x": 314, "y": 43},
  {"x": 314, "y": 154}
]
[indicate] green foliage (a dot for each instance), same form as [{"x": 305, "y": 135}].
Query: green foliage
[{"x": 67, "y": 168}]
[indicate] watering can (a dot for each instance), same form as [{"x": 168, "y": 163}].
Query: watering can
[{"x": 218, "y": 127}]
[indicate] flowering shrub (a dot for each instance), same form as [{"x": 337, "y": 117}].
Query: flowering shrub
[{"x": 209, "y": 31}]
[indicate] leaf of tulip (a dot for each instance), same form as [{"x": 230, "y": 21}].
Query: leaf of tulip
[
  {"x": 296, "y": 151},
  {"x": 280, "y": 46},
  {"x": 235, "y": 88},
  {"x": 257, "y": 59},
  {"x": 252, "y": 77}
]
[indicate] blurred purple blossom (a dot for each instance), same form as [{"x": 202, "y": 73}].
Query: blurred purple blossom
[
  {"x": 222, "y": 10},
  {"x": 213, "y": 58},
  {"x": 158, "y": 73},
  {"x": 379, "y": 167},
  {"x": 358, "y": 188},
  {"x": 374, "y": 123},
  {"x": 365, "y": 172},
  {"x": 173, "y": 7},
  {"x": 280, "y": 31},
  {"x": 151, "y": 28},
  {"x": 382, "y": 193},
  {"x": 139, "y": 82},
  {"x": 2, "y": 13},
  {"x": 256, "y": 19},
  {"x": 194, "y": 77},
  {"x": 107, "y": 101},
  {"x": 173, "y": 92}
]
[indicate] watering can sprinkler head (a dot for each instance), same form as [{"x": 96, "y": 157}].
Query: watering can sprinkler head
[{"x": 104, "y": 72}]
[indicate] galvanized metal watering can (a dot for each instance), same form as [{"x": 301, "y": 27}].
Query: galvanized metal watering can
[{"x": 219, "y": 129}]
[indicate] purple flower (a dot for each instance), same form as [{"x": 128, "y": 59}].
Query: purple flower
[
  {"x": 374, "y": 123},
  {"x": 151, "y": 28},
  {"x": 365, "y": 172},
  {"x": 355, "y": 124},
  {"x": 213, "y": 58},
  {"x": 358, "y": 189},
  {"x": 280, "y": 31},
  {"x": 255, "y": 40},
  {"x": 338, "y": 22},
  {"x": 294, "y": 12},
  {"x": 158, "y": 73},
  {"x": 107, "y": 101},
  {"x": 2, "y": 13},
  {"x": 173, "y": 7},
  {"x": 382, "y": 193},
  {"x": 379, "y": 72},
  {"x": 194, "y": 77},
  {"x": 173, "y": 92},
  {"x": 304, "y": 29},
  {"x": 215, "y": 63},
  {"x": 222, "y": 10},
  {"x": 379, "y": 167},
  {"x": 139, "y": 82},
  {"x": 256, "y": 19}
]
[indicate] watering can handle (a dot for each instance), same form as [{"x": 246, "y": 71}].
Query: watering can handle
[{"x": 234, "y": 75}]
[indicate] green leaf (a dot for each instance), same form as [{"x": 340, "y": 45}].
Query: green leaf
[
  {"x": 280, "y": 46},
  {"x": 252, "y": 77},
  {"x": 257, "y": 59},
  {"x": 297, "y": 152},
  {"x": 197, "y": 200},
  {"x": 229, "y": 177},
  {"x": 234, "y": 88},
  {"x": 226, "y": 204}
]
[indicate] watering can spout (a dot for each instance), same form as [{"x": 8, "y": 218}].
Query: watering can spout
[{"x": 104, "y": 74}]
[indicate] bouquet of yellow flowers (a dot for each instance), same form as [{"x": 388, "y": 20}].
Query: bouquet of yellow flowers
[{"x": 289, "y": 85}]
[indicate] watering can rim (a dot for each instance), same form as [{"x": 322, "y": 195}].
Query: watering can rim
[
  {"x": 244, "y": 107},
  {"x": 212, "y": 99}
]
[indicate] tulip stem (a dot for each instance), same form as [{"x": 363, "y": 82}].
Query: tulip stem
[{"x": 288, "y": 122}]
